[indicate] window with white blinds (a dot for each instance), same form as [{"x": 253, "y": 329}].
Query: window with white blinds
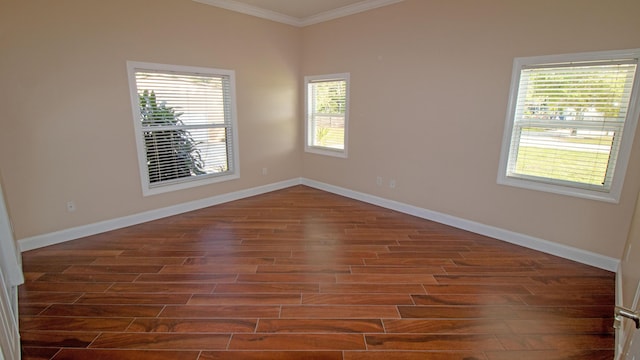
[
  {"x": 185, "y": 125},
  {"x": 571, "y": 123},
  {"x": 327, "y": 105}
]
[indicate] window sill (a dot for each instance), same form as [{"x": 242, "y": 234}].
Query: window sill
[
  {"x": 612, "y": 196},
  {"x": 326, "y": 151}
]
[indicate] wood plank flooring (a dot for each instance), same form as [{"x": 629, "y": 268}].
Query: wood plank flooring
[{"x": 303, "y": 274}]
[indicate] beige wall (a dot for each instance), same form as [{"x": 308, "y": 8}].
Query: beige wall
[
  {"x": 67, "y": 127},
  {"x": 429, "y": 86},
  {"x": 429, "y": 89}
]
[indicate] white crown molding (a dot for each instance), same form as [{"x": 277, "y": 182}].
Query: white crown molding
[
  {"x": 253, "y": 11},
  {"x": 243, "y": 8},
  {"x": 346, "y": 10},
  {"x": 567, "y": 252}
]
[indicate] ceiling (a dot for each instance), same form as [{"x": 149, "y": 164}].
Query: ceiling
[{"x": 299, "y": 12}]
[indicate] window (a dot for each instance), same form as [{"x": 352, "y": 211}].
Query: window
[
  {"x": 327, "y": 113},
  {"x": 185, "y": 125},
  {"x": 570, "y": 123}
]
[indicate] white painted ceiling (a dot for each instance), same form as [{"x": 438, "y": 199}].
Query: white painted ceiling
[{"x": 299, "y": 12}]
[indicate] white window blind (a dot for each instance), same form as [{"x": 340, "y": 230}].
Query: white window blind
[
  {"x": 327, "y": 113},
  {"x": 568, "y": 122},
  {"x": 185, "y": 122}
]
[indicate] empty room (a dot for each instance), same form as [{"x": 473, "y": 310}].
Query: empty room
[{"x": 315, "y": 179}]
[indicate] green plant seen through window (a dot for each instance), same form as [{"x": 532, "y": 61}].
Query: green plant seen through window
[{"x": 171, "y": 153}]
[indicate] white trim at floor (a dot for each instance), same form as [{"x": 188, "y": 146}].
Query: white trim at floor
[
  {"x": 567, "y": 252},
  {"x": 61, "y": 236}
]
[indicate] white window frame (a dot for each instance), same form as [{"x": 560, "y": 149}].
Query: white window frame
[
  {"x": 233, "y": 171},
  {"x": 309, "y": 125},
  {"x": 506, "y": 177}
]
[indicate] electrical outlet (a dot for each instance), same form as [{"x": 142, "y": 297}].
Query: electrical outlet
[
  {"x": 392, "y": 183},
  {"x": 265, "y": 171},
  {"x": 71, "y": 206},
  {"x": 379, "y": 180}
]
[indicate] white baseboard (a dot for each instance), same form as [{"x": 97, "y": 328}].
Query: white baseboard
[
  {"x": 582, "y": 256},
  {"x": 61, "y": 236},
  {"x": 567, "y": 252}
]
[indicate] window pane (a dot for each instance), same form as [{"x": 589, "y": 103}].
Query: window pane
[
  {"x": 200, "y": 99},
  {"x": 568, "y": 122},
  {"x": 576, "y": 93},
  {"x": 185, "y": 120},
  {"x": 564, "y": 154},
  {"x": 327, "y": 106}
]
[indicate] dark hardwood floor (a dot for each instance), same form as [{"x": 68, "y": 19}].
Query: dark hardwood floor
[{"x": 304, "y": 274}]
